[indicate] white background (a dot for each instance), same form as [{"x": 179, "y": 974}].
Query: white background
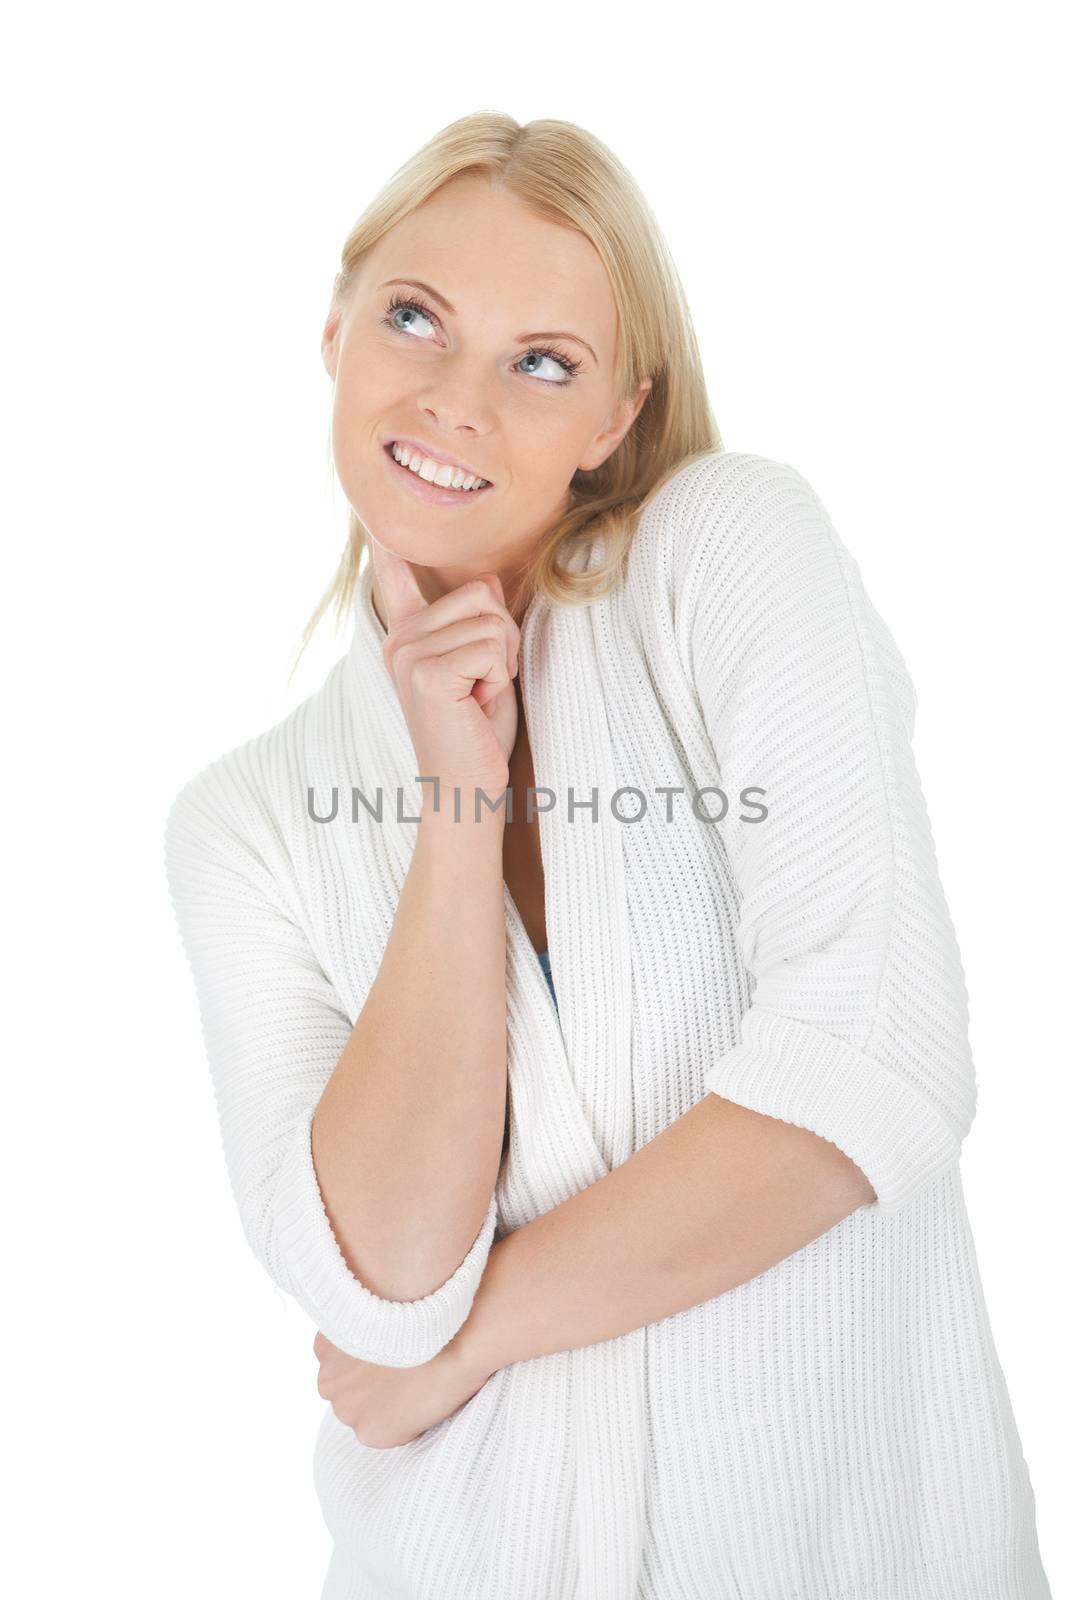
[{"x": 865, "y": 206}]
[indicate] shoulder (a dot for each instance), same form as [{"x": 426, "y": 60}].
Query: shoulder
[
  {"x": 733, "y": 506},
  {"x": 754, "y": 559},
  {"x": 238, "y": 811},
  {"x": 723, "y": 524},
  {"x": 741, "y": 550},
  {"x": 724, "y": 509}
]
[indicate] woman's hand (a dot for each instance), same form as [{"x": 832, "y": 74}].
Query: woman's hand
[
  {"x": 453, "y": 662},
  {"x": 387, "y": 1406}
]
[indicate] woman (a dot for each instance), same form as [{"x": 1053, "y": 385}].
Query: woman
[{"x": 669, "y": 1292}]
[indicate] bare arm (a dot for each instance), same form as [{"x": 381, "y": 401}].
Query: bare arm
[
  {"x": 278, "y": 1034},
  {"x": 407, "y": 1136},
  {"x": 715, "y": 1199}
]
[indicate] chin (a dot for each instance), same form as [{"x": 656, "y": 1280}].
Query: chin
[{"x": 408, "y": 537}]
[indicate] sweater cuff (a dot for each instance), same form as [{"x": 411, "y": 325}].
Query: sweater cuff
[
  {"x": 390, "y": 1333},
  {"x": 799, "y": 1074}
]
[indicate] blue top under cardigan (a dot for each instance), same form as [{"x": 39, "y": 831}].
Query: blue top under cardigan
[{"x": 546, "y": 968}]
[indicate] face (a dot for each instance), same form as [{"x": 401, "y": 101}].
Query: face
[{"x": 494, "y": 350}]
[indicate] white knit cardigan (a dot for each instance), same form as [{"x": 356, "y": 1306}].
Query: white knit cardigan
[{"x": 837, "y": 1428}]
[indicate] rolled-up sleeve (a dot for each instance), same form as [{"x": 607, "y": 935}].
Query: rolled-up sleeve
[
  {"x": 858, "y": 1023},
  {"x": 274, "y": 1028}
]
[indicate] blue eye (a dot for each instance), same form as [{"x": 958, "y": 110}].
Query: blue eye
[
  {"x": 410, "y": 303},
  {"x": 569, "y": 367},
  {"x": 405, "y": 305}
]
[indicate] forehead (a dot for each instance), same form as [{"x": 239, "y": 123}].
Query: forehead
[{"x": 484, "y": 248}]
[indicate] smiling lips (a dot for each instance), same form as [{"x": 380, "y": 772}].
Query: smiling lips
[{"x": 440, "y": 474}]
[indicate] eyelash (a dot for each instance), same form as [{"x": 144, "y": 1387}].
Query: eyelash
[{"x": 413, "y": 303}]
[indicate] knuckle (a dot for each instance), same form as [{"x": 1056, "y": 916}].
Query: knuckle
[{"x": 421, "y": 674}]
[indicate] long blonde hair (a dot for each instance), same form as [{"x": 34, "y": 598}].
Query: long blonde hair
[{"x": 569, "y": 177}]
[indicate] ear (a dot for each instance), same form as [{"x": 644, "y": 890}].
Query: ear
[
  {"x": 615, "y": 429},
  {"x": 331, "y": 335}
]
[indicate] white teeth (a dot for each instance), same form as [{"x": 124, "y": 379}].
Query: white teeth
[{"x": 431, "y": 471}]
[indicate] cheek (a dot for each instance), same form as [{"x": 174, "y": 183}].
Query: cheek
[
  {"x": 362, "y": 388},
  {"x": 549, "y": 443},
  {"x": 363, "y": 402}
]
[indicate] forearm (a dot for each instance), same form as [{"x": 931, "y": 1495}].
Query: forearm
[
  {"x": 714, "y": 1200},
  {"x": 407, "y": 1136}
]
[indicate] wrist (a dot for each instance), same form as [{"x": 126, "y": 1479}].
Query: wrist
[
  {"x": 464, "y": 808},
  {"x": 474, "y": 1347},
  {"x": 469, "y": 1354}
]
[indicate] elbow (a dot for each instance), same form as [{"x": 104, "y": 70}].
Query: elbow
[
  {"x": 396, "y": 1254},
  {"x": 838, "y": 1183},
  {"x": 848, "y": 1185},
  {"x": 289, "y": 1231},
  {"x": 407, "y": 1273},
  {"x": 897, "y": 1109}
]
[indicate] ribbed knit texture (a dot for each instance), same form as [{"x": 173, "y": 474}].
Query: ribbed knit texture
[{"x": 837, "y": 1428}]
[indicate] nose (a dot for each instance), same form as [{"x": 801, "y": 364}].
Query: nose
[{"x": 455, "y": 400}]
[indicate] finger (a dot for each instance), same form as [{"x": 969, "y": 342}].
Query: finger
[
  {"x": 492, "y": 605},
  {"x": 478, "y": 628},
  {"x": 398, "y": 586},
  {"x": 455, "y": 673},
  {"x": 481, "y": 596},
  {"x": 513, "y": 649}
]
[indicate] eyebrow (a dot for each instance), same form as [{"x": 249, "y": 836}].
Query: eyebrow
[{"x": 520, "y": 338}]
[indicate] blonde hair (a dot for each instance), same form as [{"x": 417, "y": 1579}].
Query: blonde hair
[{"x": 569, "y": 177}]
